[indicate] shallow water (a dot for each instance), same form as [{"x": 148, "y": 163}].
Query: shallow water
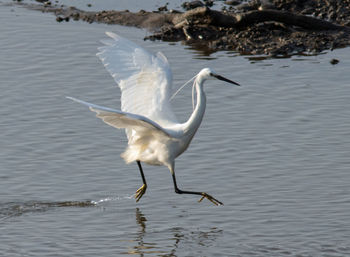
[
  {"x": 275, "y": 151},
  {"x": 131, "y": 5}
]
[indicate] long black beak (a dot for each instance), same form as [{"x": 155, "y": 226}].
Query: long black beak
[{"x": 224, "y": 79}]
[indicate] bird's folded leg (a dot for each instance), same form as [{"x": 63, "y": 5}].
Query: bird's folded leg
[
  {"x": 210, "y": 198},
  {"x": 140, "y": 192}
]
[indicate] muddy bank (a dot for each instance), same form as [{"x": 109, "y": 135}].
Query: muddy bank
[{"x": 272, "y": 27}]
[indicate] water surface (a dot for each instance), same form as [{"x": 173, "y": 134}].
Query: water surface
[{"x": 275, "y": 151}]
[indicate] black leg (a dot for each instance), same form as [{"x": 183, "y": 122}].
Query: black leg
[
  {"x": 204, "y": 195},
  {"x": 141, "y": 171},
  {"x": 142, "y": 190}
]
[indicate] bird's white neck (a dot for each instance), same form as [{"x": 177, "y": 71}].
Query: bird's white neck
[{"x": 193, "y": 123}]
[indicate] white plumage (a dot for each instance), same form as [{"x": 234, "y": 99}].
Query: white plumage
[
  {"x": 145, "y": 80},
  {"x": 154, "y": 135}
]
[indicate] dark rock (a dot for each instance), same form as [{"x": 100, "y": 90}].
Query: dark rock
[
  {"x": 192, "y": 5},
  {"x": 163, "y": 8},
  {"x": 209, "y": 3},
  {"x": 233, "y": 2},
  {"x": 334, "y": 61},
  {"x": 59, "y": 19}
]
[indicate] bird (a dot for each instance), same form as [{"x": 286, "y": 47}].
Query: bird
[{"x": 155, "y": 137}]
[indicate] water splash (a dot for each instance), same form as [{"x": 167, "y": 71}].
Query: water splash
[
  {"x": 15, "y": 209},
  {"x": 115, "y": 198}
]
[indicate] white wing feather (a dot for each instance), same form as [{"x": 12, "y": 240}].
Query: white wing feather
[
  {"x": 144, "y": 79},
  {"x": 119, "y": 119}
]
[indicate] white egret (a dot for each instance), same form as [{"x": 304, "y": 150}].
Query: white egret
[{"x": 154, "y": 135}]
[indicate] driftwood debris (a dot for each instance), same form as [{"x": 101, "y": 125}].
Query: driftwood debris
[
  {"x": 203, "y": 15},
  {"x": 270, "y": 32}
]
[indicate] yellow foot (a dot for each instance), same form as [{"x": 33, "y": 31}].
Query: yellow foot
[
  {"x": 210, "y": 198},
  {"x": 140, "y": 192}
]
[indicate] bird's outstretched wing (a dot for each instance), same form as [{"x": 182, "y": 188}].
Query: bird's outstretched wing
[
  {"x": 120, "y": 119},
  {"x": 144, "y": 79}
]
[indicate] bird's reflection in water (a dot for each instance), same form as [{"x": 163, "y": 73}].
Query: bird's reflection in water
[
  {"x": 142, "y": 247},
  {"x": 180, "y": 237}
]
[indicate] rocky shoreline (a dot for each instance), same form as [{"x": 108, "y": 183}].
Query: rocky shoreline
[{"x": 276, "y": 28}]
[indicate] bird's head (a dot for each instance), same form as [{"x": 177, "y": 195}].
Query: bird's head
[{"x": 208, "y": 73}]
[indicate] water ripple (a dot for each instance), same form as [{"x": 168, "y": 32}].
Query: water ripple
[{"x": 13, "y": 209}]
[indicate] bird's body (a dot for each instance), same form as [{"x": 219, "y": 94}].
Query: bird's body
[
  {"x": 154, "y": 135},
  {"x": 155, "y": 149}
]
